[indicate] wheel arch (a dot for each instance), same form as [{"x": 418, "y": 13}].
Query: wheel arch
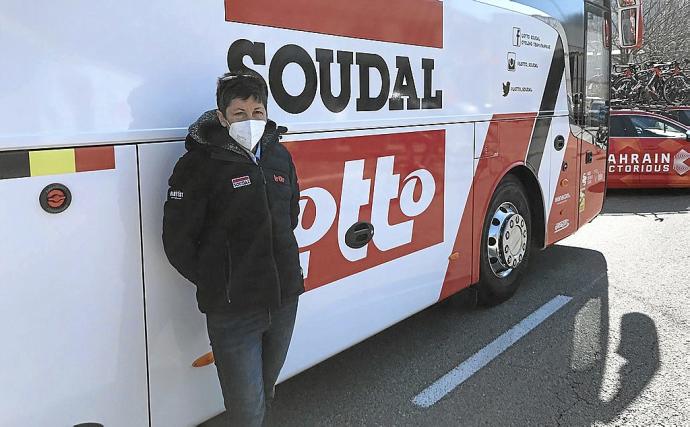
[
  {"x": 535, "y": 197},
  {"x": 487, "y": 293},
  {"x": 536, "y": 200}
]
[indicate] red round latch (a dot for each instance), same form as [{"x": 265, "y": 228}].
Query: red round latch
[{"x": 55, "y": 198}]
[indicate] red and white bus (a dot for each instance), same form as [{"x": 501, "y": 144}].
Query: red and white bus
[{"x": 466, "y": 133}]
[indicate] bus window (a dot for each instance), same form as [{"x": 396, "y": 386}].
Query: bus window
[{"x": 597, "y": 79}]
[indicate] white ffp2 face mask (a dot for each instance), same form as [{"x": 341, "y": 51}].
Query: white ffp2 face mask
[{"x": 247, "y": 133}]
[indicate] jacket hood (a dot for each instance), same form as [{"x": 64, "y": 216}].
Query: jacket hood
[{"x": 207, "y": 132}]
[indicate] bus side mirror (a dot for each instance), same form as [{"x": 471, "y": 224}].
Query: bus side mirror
[{"x": 630, "y": 25}]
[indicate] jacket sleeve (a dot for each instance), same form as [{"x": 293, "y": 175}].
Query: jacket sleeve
[
  {"x": 294, "y": 200},
  {"x": 184, "y": 214}
]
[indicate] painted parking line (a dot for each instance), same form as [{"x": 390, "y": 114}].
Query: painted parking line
[{"x": 469, "y": 367}]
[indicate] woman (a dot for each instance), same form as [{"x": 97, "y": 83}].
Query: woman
[{"x": 228, "y": 227}]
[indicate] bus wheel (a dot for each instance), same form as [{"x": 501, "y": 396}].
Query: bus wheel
[{"x": 506, "y": 242}]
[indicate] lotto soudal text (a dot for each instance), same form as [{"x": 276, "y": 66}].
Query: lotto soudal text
[
  {"x": 640, "y": 163},
  {"x": 394, "y": 181},
  {"x": 527, "y": 64},
  {"x": 398, "y": 89},
  {"x": 533, "y": 40}
]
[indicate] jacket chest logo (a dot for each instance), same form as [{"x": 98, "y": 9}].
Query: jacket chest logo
[
  {"x": 279, "y": 179},
  {"x": 241, "y": 181},
  {"x": 175, "y": 194}
]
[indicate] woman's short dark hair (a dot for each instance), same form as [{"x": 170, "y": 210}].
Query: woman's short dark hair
[{"x": 242, "y": 84}]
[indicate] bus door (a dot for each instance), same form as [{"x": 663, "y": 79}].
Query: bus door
[
  {"x": 71, "y": 300},
  {"x": 594, "y": 134}
]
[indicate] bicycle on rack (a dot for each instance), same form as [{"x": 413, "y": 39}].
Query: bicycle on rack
[
  {"x": 651, "y": 83},
  {"x": 677, "y": 85}
]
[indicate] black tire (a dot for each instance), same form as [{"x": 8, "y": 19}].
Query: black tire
[
  {"x": 676, "y": 90},
  {"x": 499, "y": 276},
  {"x": 622, "y": 89}
]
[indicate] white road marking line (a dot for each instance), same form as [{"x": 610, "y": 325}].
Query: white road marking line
[{"x": 469, "y": 367}]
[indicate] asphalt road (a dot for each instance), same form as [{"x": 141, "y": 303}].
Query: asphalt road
[{"x": 618, "y": 353}]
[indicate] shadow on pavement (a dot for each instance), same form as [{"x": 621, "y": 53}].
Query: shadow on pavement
[
  {"x": 647, "y": 202},
  {"x": 639, "y": 348},
  {"x": 596, "y": 384},
  {"x": 557, "y": 374}
]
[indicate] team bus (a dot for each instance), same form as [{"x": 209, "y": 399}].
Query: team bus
[{"x": 438, "y": 145}]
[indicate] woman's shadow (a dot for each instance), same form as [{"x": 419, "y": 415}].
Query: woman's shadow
[{"x": 639, "y": 347}]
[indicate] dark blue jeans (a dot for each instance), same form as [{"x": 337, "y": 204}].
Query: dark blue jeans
[{"x": 250, "y": 348}]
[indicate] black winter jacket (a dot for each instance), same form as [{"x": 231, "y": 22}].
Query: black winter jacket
[{"x": 228, "y": 223}]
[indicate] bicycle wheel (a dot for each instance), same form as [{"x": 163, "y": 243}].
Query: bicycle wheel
[
  {"x": 677, "y": 90},
  {"x": 684, "y": 89},
  {"x": 622, "y": 89}
]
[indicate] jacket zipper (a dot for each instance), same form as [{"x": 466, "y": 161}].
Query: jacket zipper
[
  {"x": 270, "y": 225},
  {"x": 228, "y": 261},
  {"x": 264, "y": 151}
]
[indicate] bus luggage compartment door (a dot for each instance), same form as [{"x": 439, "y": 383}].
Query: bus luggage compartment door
[
  {"x": 71, "y": 301},
  {"x": 176, "y": 330}
]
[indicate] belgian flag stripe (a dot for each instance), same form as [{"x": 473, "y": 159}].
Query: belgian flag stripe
[
  {"x": 51, "y": 162},
  {"x": 23, "y": 164},
  {"x": 14, "y": 164},
  {"x": 94, "y": 158}
]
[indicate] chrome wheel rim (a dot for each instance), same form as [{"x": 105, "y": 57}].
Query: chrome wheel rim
[{"x": 506, "y": 241}]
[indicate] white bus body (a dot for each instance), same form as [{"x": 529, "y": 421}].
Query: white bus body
[{"x": 97, "y": 96}]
